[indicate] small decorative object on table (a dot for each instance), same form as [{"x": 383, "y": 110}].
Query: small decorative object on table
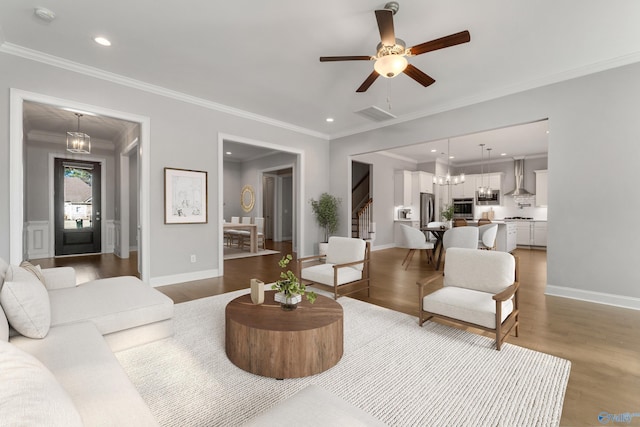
[
  {"x": 290, "y": 289},
  {"x": 447, "y": 214},
  {"x": 257, "y": 291}
]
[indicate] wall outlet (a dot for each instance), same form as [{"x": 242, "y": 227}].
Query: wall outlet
[{"x": 193, "y": 258}]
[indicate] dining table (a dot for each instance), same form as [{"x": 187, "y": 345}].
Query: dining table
[
  {"x": 438, "y": 233},
  {"x": 251, "y": 228}
]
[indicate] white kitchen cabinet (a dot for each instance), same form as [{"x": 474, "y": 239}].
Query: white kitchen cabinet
[
  {"x": 523, "y": 233},
  {"x": 422, "y": 182},
  {"x": 541, "y": 188},
  {"x": 540, "y": 233},
  {"x": 532, "y": 233},
  {"x": 403, "y": 186},
  {"x": 506, "y": 237},
  {"x": 465, "y": 190}
]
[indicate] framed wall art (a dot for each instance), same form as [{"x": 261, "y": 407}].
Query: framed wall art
[{"x": 185, "y": 196}]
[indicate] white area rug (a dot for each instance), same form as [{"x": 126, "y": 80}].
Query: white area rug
[
  {"x": 399, "y": 372},
  {"x": 235, "y": 253}
]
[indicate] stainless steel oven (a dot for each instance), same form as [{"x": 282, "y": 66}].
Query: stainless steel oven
[{"x": 463, "y": 208}]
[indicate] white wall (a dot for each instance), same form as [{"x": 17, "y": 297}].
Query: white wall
[
  {"x": 232, "y": 187},
  {"x": 593, "y": 161},
  {"x": 183, "y": 135}
]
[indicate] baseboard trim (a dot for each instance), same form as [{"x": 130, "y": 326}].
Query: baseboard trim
[
  {"x": 381, "y": 247},
  {"x": 632, "y": 303},
  {"x": 184, "y": 277}
]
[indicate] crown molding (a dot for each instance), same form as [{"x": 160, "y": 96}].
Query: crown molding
[
  {"x": 499, "y": 93},
  {"x": 76, "y": 67},
  {"x": 396, "y": 156}
]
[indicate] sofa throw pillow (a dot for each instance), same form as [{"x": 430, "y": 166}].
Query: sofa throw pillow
[
  {"x": 29, "y": 393},
  {"x": 35, "y": 270},
  {"x": 25, "y": 301}
]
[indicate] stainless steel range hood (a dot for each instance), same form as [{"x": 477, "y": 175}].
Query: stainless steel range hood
[{"x": 519, "y": 191}]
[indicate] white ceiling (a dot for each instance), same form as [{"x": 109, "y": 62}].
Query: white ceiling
[{"x": 262, "y": 57}]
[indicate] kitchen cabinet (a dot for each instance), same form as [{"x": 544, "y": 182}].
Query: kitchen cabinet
[
  {"x": 403, "y": 185},
  {"x": 540, "y": 233},
  {"x": 409, "y": 184},
  {"x": 523, "y": 233},
  {"x": 532, "y": 233},
  {"x": 541, "y": 188},
  {"x": 506, "y": 237}
]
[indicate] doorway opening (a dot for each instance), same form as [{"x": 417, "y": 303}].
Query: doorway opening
[{"x": 77, "y": 207}]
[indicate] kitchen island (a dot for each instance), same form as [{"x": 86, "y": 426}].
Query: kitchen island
[{"x": 507, "y": 234}]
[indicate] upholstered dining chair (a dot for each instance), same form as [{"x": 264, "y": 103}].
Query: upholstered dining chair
[
  {"x": 230, "y": 234},
  {"x": 346, "y": 265},
  {"x": 415, "y": 240},
  {"x": 483, "y": 221},
  {"x": 480, "y": 290},
  {"x": 461, "y": 237},
  {"x": 487, "y": 236},
  {"x": 460, "y": 222},
  {"x": 244, "y": 235}
]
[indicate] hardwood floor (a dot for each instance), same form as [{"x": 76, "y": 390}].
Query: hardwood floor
[{"x": 602, "y": 342}]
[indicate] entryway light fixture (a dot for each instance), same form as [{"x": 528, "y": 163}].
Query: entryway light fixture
[
  {"x": 448, "y": 179},
  {"x": 78, "y": 142}
]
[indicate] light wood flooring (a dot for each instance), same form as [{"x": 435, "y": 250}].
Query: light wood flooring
[{"x": 602, "y": 342}]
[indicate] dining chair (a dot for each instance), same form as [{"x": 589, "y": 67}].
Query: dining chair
[
  {"x": 243, "y": 235},
  {"x": 483, "y": 221},
  {"x": 487, "y": 236},
  {"x": 231, "y": 234},
  {"x": 259, "y": 222},
  {"x": 415, "y": 240},
  {"x": 459, "y": 222},
  {"x": 461, "y": 237}
]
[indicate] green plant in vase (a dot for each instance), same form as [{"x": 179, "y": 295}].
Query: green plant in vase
[
  {"x": 290, "y": 287},
  {"x": 447, "y": 212}
]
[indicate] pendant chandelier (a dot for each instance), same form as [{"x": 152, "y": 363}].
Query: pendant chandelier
[
  {"x": 78, "y": 142},
  {"x": 448, "y": 179},
  {"x": 482, "y": 189}
]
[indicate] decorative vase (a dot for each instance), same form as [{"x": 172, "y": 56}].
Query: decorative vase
[
  {"x": 257, "y": 291},
  {"x": 450, "y": 223},
  {"x": 288, "y": 302},
  {"x": 322, "y": 248}
]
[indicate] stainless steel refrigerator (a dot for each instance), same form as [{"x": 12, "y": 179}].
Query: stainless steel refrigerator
[{"x": 427, "y": 209}]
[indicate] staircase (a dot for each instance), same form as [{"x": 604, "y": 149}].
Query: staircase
[{"x": 362, "y": 213}]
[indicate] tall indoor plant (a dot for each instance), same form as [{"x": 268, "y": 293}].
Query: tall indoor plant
[{"x": 326, "y": 211}]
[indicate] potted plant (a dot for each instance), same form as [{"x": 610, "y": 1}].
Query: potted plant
[
  {"x": 447, "y": 214},
  {"x": 326, "y": 211},
  {"x": 290, "y": 289}
]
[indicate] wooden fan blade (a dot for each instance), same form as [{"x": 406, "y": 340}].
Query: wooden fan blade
[
  {"x": 417, "y": 75},
  {"x": 385, "y": 25},
  {"x": 344, "y": 58},
  {"x": 441, "y": 43},
  {"x": 368, "y": 82}
]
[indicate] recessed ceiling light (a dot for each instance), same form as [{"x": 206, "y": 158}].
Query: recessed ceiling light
[
  {"x": 102, "y": 41},
  {"x": 228, "y": 153},
  {"x": 452, "y": 157},
  {"x": 329, "y": 119},
  {"x": 434, "y": 150},
  {"x": 44, "y": 14},
  {"x": 547, "y": 132},
  {"x": 503, "y": 154}
]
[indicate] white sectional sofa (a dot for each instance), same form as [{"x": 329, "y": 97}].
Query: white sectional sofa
[{"x": 57, "y": 342}]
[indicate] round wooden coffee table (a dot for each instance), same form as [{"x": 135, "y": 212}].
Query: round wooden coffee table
[{"x": 266, "y": 340}]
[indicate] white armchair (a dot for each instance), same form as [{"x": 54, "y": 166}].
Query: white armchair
[
  {"x": 461, "y": 237},
  {"x": 480, "y": 290},
  {"x": 346, "y": 265},
  {"x": 414, "y": 240}
]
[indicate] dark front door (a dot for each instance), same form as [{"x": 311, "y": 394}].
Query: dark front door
[{"x": 77, "y": 207}]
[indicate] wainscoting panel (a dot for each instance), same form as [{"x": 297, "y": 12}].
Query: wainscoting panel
[
  {"x": 38, "y": 239},
  {"x": 110, "y": 238}
]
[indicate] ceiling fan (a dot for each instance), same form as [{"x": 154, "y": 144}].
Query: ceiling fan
[{"x": 392, "y": 53}]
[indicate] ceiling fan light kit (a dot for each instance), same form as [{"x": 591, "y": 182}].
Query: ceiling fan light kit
[{"x": 391, "y": 57}]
